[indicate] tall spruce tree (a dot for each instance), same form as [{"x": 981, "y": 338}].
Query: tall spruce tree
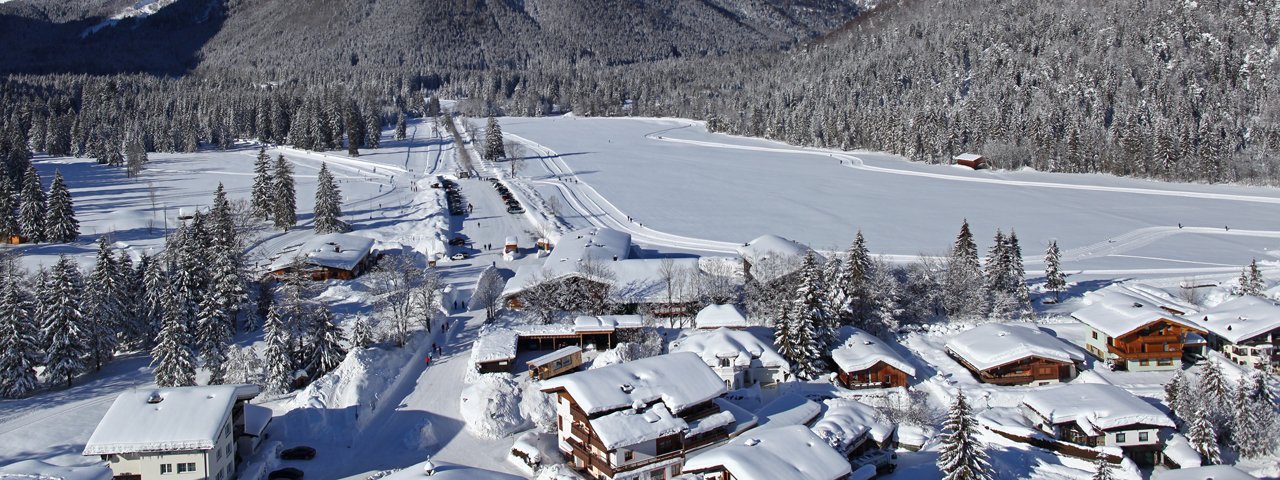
[
  {"x": 1016, "y": 276},
  {"x": 284, "y": 198},
  {"x": 325, "y": 345},
  {"x": 155, "y": 280},
  {"x": 962, "y": 457},
  {"x": 1102, "y": 468},
  {"x": 172, "y": 357},
  {"x": 33, "y": 206},
  {"x": 1251, "y": 282},
  {"x": 62, "y": 327},
  {"x": 279, "y": 361},
  {"x": 213, "y": 337},
  {"x": 60, "y": 224},
  {"x": 362, "y": 333},
  {"x": 328, "y": 203},
  {"x": 1054, "y": 280},
  {"x": 104, "y": 313},
  {"x": 1214, "y": 392},
  {"x": 810, "y": 308},
  {"x": 963, "y": 291},
  {"x": 401, "y": 132},
  {"x": 9, "y": 204},
  {"x": 260, "y": 199},
  {"x": 20, "y": 350},
  {"x": 1203, "y": 438},
  {"x": 851, "y": 287},
  {"x": 132, "y": 329},
  {"x": 494, "y": 149}
]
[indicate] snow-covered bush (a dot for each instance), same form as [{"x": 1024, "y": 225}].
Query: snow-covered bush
[
  {"x": 538, "y": 408},
  {"x": 491, "y": 406}
]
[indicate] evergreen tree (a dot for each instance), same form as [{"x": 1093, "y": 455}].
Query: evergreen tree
[
  {"x": 328, "y": 203},
  {"x": 172, "y": 358},
  {"x": 243, "y": 366},
  {"x": 62, "y": 323},
  {"x": 1054, "y": 280},
  {"x": 1016, "y": 276},
  {"x": 494, "y": 150},
  {"x": 1255, "y": 427},
  {"x": 104, "y": 314},
  {"x": 373, "y": 130},
  {"x": 1174, "y": 394},
  {"x": 962, "y": 457},
  {"x": 1213, "y": 392},
  {"x": 1203, "y": 439},
  {"x": 1102, "y": 468},
  {"x": 962, "y": 293},
  {"x": 221, "y": 220},
  {"x": 31, "y": 213},
  {"x": 260, "y": 205},
  {"x": 284, "y": 209},
  {"x": 326, "y": 339},
  {"x": 401, "y": 132},
  {"x": 1251, "y": 282},
  {"x": 60, "y": 224},
  {"x": 810, "y": 310},
  {"x": 213, "y": 337},
  {"x": 20, "y": 351},
  {"x": 9, "y": 205},
  {"x": 132, "y": 329},
  {"x": 279, "y": 361},
  {"x": 136, "y": 154},
  {"x": 851, "y": 286},
  {"x": 361, "y": 333},
  {"x": 155, "y": 279}
]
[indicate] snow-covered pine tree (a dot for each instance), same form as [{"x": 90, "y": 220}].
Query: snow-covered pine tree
[
  {"x": 62, "y": 326},
  {"x": 31, "y": 212},
  {"x": 1017, "y": 276},
  {"x": 222, "y": 228},
  {"x": 810, "y": 307},
  {"x": 962, "y": 457},
  {"x": 20, "y": 350},
  {"x": 852, "y": 284},
  {"x": 9, "y": 225},
  {"x": 279, "y": 362},
  {"x": 284, "y": 206},
  {"x": 1203, "y": 439},
  {"x": 963, "y": 289},
  {"x": 1173, "y": 394},
  {"x": 325, "y": 343},
  {"x": 1054, "y": 280},
  {"x": 887, "y": 295},
  {"x": 1255, "y": 427},
  {"x": 401, "y": 132},
  {"x": 997, "y": 285},
  {"x": 155, "y": 281},
  {"x": 1214, "y": 393},
  {"x": 361, "y": 332},
  {"x": 373, "y": 130},
  {"x": 1102, "y": 468},
  {"x": 260, "y": 199},
  {"x": 104, "y": 313},
  {"x": 1258, "y": 388},
  {"x": 243, "y": 366},
  {"x": 187, "y": 274},
  {"x": 1251, "y": 282},
  {"x": 131, "y": 328},
  {"x": 60, "y": 224},
  {"x": 494, "y": 149},
  {"x": 213, "y": 337},
  {"x": 173, "y": 361},
  {"x": 328, "y": 203}
]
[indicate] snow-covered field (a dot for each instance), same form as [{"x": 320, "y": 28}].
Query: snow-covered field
[{"x": 674, "y": 177}]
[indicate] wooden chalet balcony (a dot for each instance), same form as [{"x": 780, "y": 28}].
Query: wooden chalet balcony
[
  {"x": 649, "y": 461},
  {"x": 584, "y": 452},
  {"x": 1135, "y": 352}
]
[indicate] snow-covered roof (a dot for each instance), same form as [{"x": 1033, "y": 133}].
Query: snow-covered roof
[
  {"x": 496, "y": 343},
  {"x": 593, "y": 242},
  {"x": 1213, "y": 472},
  {"x": 184, "y": 418},
  {"x": 742, "y": 419},
  {"x": 967, "y": 156},
  {"x": 334, "y": 250},
  {"x": 769, "y": 246},
  {"x": 680, "y": 380},
  {"x": 1095, "y": 407},
  {"x": 631, "y": 426},
  {"x": 553, "y": 356},
  {"x": 788, "y": 409},
  {"x": 256, "y": 418},
  {"x": 636, "y": 280},
  {"x": 606, "y": 323},
  {"x": 1179, "y": 450},
  {"x": 744, "y": 348},
  {"x": 861, "y": 350},
  {"x": 447, "y": 471},
  {"x": 1122, "y": 308},
  {"x": 784, "y": 453},
  {"x": 846, "y": 421},
  {"x": 993, "y": 344},
  {"x": 1241, "y": 318},
  {"x": 42, "y": 470},
  {"x": 512, "y": 240},
  {"x": 716, "y": 316}
]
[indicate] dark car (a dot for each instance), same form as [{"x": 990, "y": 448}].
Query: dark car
[
  {"x": 289, "y": 473},
  {"x": 515, "y": 209},
  {"x": 302, "y": 452},
  {"x": 458, "y": 241}
]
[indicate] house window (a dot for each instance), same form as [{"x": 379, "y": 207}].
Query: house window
[
  {"x": 627, "y": 455},
  {"x": 166, "y": 468},
  {"x": 1119, "y": 438},
  {"x": 1164, "y": 362},
  {"x": 186, "y": 467},
  {"x": 1095, "y": 335},
  {"x": 1142, "y": 436},
  {"x": 724, "y": 362},
  {"x": 658, "y": 474},
  {"x": 1145, "y": 363}
]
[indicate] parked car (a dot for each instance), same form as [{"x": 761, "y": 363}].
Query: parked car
[
  {"x": 301, "y": 452},
  {"x": 458, "y": 241},
  {"x": 515, "y": 209},
  {"x": 459, "y": 256},
  {"x": 289, "y": 473}
]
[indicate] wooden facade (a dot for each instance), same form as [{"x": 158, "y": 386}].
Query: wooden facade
[
  {"x": 880, "y": 375},
  {"x": 552, "y": 367},
  {"x": 1159, "y": 341},
  {"x": 1026, "y": 370}
]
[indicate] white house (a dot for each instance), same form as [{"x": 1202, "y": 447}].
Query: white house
[
  {"x": 1099, "y": 415},
  {"x": 713, "y": 316},
  {"x": 1246, "y": 330},
  {"x": 183, "y": 433},
  {"x": 1138, "y": 328},
  {"x": 740, "y": 359},
  {"x": 785, "y": 453}
]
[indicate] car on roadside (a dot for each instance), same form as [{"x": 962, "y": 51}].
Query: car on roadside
[
  {"x": 288, "y": 473},
  {"x": 458, "y": 241},
  {"x": 515, "y": 209},
  {"x": 459, "y": 256},
  {"x": 301, "y": 452}
]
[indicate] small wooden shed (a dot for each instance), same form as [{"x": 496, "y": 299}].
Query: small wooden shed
[
  {"x": 512, "y": 245},
  {"x": 555, "y": 363},
  {"x": 971, "y": 160}
]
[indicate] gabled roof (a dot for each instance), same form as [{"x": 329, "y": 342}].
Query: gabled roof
[
  {"x": 553, "y": 356},
  {"x": 1120, "y": 309},
  {"x": 744, "y": 348},
  {"x": 993, "y": 344},
  {"x": 1212, "y": 472},
  {"x": 184, "y": 418},
  {"x": 716, "y": 316},
  {"x": 788, "y": 409},
  {"x": 783, "y": 453},
  {"x": 861, "y": 350},
  {"x": 1241, "y": 318},
  {"x": 1094, "y": 407},
  {"x": 631, "y": 426},
  {"x": 334, "y": 250},
  {"x": 967, "y": 156},
  {"x": 846, "y": 421},
  {"x": 680, "y": 380},
  {"x": 635, "y": 280}
]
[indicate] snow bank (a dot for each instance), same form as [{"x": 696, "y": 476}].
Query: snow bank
[
  {"x": 351, "y": 390},
  {"x": 491, "y": 406},
  {"x": 538, "y": 408},
  {"x": 40, "y": 470},
  {"x": 532, "y": 449}
]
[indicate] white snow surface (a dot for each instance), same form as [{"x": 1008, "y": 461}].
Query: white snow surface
[
  {"x": 769, "y": 246},
  {"x": 716, "y": 316},
  {"x": 1241, "y": 318},
  {"x": 993, "y": 344},
  {"x": 785, "y": 453},
  {"x": 187, "y": 418},
  {"x": 491, "y": 406},
  {"x": 1178, "y": 449},
  {"x": 447, "y": 471},
  {"x": 1213, "y": 472},
  {"x": 845, "y": 421},
  {"x": 788, "y": 409},
  {"x": 861, "y": 350},
  {"x": 335, "y": 250},
  {"x": 1094, "y": 407},
  {"x": 744, "y": 348},
  {"x": 680, "y": 380},
  {"x": 41, "y": 470},
  {"x": 1119, "y": 309},
  {"x": 631, "y": 426}
]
